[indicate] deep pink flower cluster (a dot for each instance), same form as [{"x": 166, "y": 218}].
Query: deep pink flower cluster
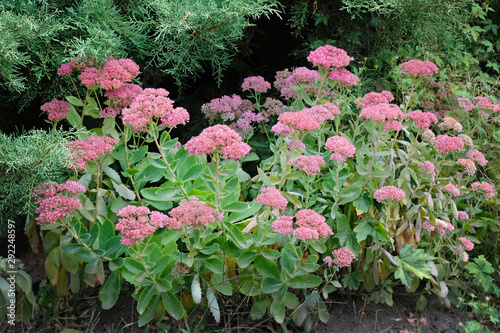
[
  {"x": 452, "y": 189},
  {"x": 417, "y": 67},
  {"x": 283, "y": 225},
  {"x": 394, "y": 125},
  {"x": 466, "y": 104},
  {"x": 137, "y": 223},
  {"x": 193, "y": 213},
  {"x": 462, "y": 215},
  {"x": 56, "y": 109},
  {"x": 448, "y": 144},
  {"x": 300, "y": 74},
  {"x": 422, "y": 119},
  {"x": 468, "y": 245},
  {"x": 427, "y": 166},
  {"x": 340, "y": 148},
  {"x": 489, "y": 189},
  {"x": 343, "y": 257},
  {"x": 381, "y": 112},
  {"x": 309, "y": 164},
  {"x": 428, "y": 226},
  {"x": 389, "y": 193},
  {"x": 257, "y": 83},
  {"x": 226, "y": 107},
  {"x": 119, "y": 99},
  {"x": 321, "y": 113},
  {"x": 86, "y": 151},
  {"x": 470, "y": 167},
  {"x": 272, "y": 107},
  {"x": 373, "y": 98},
  {"x": 344, "y": 77},
  {"x": 112, "y": 75},
  {"x": 53, "y": 201},
  {"x": 451, "y": 123},
  {"x": 301, "y": 120},
  {"x": 329, "y": 56},
  {"x": 218, "y": 139},
  {"x": 153, "y": 103},
  {"x": 311, "y": 225},
  {"x": 477, "y": 156},
  {"x": 272, "y": 197},
  {"x": 484, "y": 103},
  {"x": 79, "y": 65}
]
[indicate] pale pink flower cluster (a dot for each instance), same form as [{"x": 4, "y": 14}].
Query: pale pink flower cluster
[
  {"x": 477, "y": 156},
  {"x": 53, "y": 203},
  {"x": 451, "y": 123},
  {"x": 243, "y": 125},
  {"x": 343, "y": 257},
  {"x": 470, "y": 167},
  {"x": 468, "y": 245},
  {"x": 462, "y": 215},
  {"x": 427, "y": 166},
  {"x": 311, "y": 225},
  {"x": 467, "y": 140},
  {"x": 484, "y": 103},
  {"x": 452, "y": 189},
  {"x": 389, "y": 193},
  {"x": 283, "y": 225},
  {"x": 86, "y": 151},
  {"x": 150, "y": 104},
  {"x": 483, "y": 114},
  {"x": 417, "y": 67},
  {"x": 422, "y": 119},
  {"x": 329, "y": 56},
  {"x": 448, "y": 144},
  {"x": 119, "y": 99},
  {"x": 226, "y": 107},
  {"x": 257, "y": 83},
  {"x": 112, "y": 75},
  {"x": 56, "y": 109},
  {"x": 272, "y": 107},
  {"x": 193, "y": 213},
  {"x": 272, "y": 197},
  {"x": 301, "y": 120},
  {"x": 394, "y": 125},
  {"x": 344, "y": 77},
  {"x": 340, "y": 148},
  {"x": 218, "y": 139},
  {"x": 466, "y": 104},
  {"x": 489, "y": 189},
  {"x": 443, "y": 226},
  {"x": 282, "y": 129},
  {"x": 321, "y": 113},
  {"x": 309, "y": 164},
  {"x": 429, "y": 136},
  {"x": 373, "y": 98},
  {"x": 296, "y": 144},
  {"x": 300, "y": 74},
  {"x": 138, "y": 222},
  {"x": 428, "y": 226},
  {"x": 381, "y": 112}
]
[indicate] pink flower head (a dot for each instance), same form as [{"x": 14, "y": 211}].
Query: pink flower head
[
  {"x": 226, "y": 107},
  {"x": 429, "y": 136},
  {"x": 468, "y": 245},
  {"x": 309, "y": 219},
  {"x": 296, "y": 144},
  {"x": 136, "y": 224},
  {"x": 328, "y": 261},
  {"x": 451, "y": 123},
  {"x": 272, "y": 197},
  {"x": 381, "y": 112},
  {"x": 422, "y": 119},
  {"x": 393, "y": 125},
  {"x": 119, "y": 99},
  {"x": 340, "y": 148},
  {"x": 298, "y": 76},
  {"x": 282, "y": 129},
  {"x": 467, "y": 141},
  {"x": 488, "y": 189},
  {"x": 483, "y": 114},
  {"x": 452, "y": 189},
  {"x": 427, "y": 226},
  {"x": 462, "y": 215},
  {"x": 427, "y": 166},
  {"x": 309, "y": 164},
  {"x": 271, "y": 107},
  {"x": 193, "y": 213},
  {"x": 117, "y": 72},
  {"x": 71, "y": 187},
  {"x": 443, "y": 226},
  {"x": 283, "y": 225},
  {"x": 321, "y": 113},
  {"x": 466, "y": 104},
  {"x": 477, "y": 156},
  {"x": 256, "y": 83},
  {"x": 484, "y": 103},
  {"x": 301, "y": 120},
  {"x": 417, "y": 67},
  {"x": 329, "y": 56},
  {"x": 56, "y": 109},
  {"x": 448, "y": 144},
  {"x": 218, "y": 139},
  {"x": 343, "y": 257},
  {"x": 373, "y": 98},
  {"x": 344, "y": 77},
  {"x": 389, "y": 193},
  {"x": 150, "y": 104},
  {"x": 86, "y": 151},
  {"x": 89, "y": 76},
  {"x": 469, "y": 165},
  {"x": 67, "y": 68}
]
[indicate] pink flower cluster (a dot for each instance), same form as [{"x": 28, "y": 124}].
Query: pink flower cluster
[
  {"x": 452, "y": 189},
  {"x": 344, "y": 77},
  {"x": 271, "y": 107},
  {"x": 301, "y": 120},
  {"x": 282, "y": 129},
  {"x": 427, "y": 166},
  {"x": 112, "y": 75},
  {"x": 389, "y": 193},
  {"x": 243, "y": 125},
  {"x": 489, "y": 189},
  {"x": 329, "y": 56},
  {"x": 373, "y": 98},
  {"x": 119, "y": 99},
  {"x": 340, "y": 148},
  {"x": 428, "y": 226},
  {"x": 417, "y": 67},
  {"x": 56, "y": 109},
  {"x": 448, "y": 144},
  {"x": 470, "y": 167},
  {"x": 286, "y": 81},
  {"x": 309, "y": 164},
  {"x": 257, "y": 83},
  {"x": 429, "y": 136},
  {"x": 451, "y": 123},
  {"x": 272, "y": 197},
  {"x": 53, "y": 201},
  {"x": 321, "y": 113},
  {"x": 218, "y": 139},
  {"x": 466, "y": 104},
  {"x": 381, "y": 112},
  {"x": 193, "y": 213},
  {"x": 467, "y": 141},
  {"x": 462, "y": 215},
  {"x": 477, "y": 156},
  {"x": 311, "y": 225},
  {"x": 443, "y": 226},
  {"x": 343, "y": 257},
  {"x": 226, "y": 107},
  {"x": 86, "y": 151},
  {"x": 138, "y": 222},
  {"x": 468, "y": 245},
  {"x": 422, "y": 119},
  {"x": 153, "y": 103},
  {"x": 79, "y": 65},
  {"x": 296, "y": 144},
  {"x": 283, "y": 225},
  {"x": 394, "y": 125}
]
